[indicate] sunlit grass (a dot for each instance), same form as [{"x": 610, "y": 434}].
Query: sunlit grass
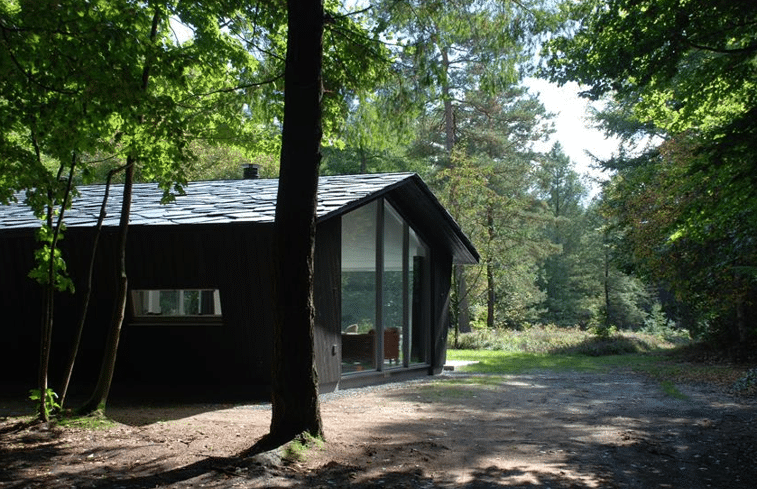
[
  {"x": 551, "y": 339},
  {"x": 668, "y": 361},
  {"x": 95, "y": 422},
  {"x": 501, "y": 362}
]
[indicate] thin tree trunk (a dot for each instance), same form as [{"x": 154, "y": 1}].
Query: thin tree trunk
[
  {"x": 449, "y": 118},
  {"x": 490, "y": 296},
  {"x": 463, "y": 318},
  {"x": 295, "y": 406},
  {"x": 363, "y": 159},
  {"x": 608, "y": 323},
  {"x": 87, "y": 291},
  {"x": 104, "y": 380},
  {"x": 49, "y": 292}
]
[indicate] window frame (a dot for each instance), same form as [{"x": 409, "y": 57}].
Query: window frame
[{"x": 176, "y": 319}]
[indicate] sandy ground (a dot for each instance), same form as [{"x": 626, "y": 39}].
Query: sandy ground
[{"x": 542, "y": 429}]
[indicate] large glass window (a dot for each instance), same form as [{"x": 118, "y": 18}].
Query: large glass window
[
  {"x": 394, "y": 287},
  {"x": 359, "y": 230},
  {"x": 382, "y": 263}
]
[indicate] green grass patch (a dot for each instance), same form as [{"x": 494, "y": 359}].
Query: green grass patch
[
  {"x": 502, "y": 362},
  {"x": 297, "y": 449},
  {"x": 671, "y": 390},
  {"x": 554, "y": 340},
  {"x": 94, "y": 422}
]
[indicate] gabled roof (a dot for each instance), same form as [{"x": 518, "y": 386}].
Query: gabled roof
[{"x": 239, "y": 201}]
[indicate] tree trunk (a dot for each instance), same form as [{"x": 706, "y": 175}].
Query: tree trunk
[
  {"x": 87, "y": 292},
  {"x": 295, "y": 403},
  {"x": 105, "y": 378},
  {"x": 363, "y": 159},
  {"x": 608, "y": 321},
  {"x": 490, "y": 296},
  {"x": 449, "y": 117},
  {"x": 463, "y": 317},
  {"x": 49, "y": 294}
]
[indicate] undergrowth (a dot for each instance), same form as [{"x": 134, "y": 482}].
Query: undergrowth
[
  {"x": 554, "y": 340},
  {"x": 668, "y": 358}
]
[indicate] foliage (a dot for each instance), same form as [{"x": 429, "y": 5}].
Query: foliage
[
  {"x": 658, "y": 324},
  {"x": 571, "y": 290},
  {"x": 42, "y": 258},
  {"x": 487, "y": 192},
  {"x": 686, "y": 64},
  {"x": 603, "y": 332},
  {"x": 684, "y": 72},
  {"x": 47, "y": 402},
  {"x": 746, "y": 383}
]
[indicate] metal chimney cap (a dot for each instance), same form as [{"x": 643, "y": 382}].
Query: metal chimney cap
[{"x": 250, "y": 171}]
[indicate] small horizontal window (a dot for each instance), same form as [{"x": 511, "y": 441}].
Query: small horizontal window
[{"x": 177, "y": 305}]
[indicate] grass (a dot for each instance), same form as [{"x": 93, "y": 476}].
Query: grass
[
  {"x": 94, "y": 422},
  {"x": 669, "y": 388},
  {"x": 667, "y": 360},
  {"x": 297, "y": 449},
  {"x": 501, "y": 362},
  {"x": 551, "y": 339}
]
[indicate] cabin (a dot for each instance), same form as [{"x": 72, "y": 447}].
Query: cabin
[{"x": 199, "y": 314}]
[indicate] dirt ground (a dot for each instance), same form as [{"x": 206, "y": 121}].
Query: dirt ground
[{"x": 542, "y": 429}]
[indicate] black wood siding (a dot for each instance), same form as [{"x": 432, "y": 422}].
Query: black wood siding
[
  {"x": 441, "y": 277},
  {"x": 326, "y": 295},
  {"x": 234, "y": 356}
]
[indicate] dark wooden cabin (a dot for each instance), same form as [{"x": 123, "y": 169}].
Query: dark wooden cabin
[{"x": 199, "y": 315}]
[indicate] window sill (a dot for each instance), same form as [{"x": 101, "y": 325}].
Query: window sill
[{"x": 176, "y": 321}]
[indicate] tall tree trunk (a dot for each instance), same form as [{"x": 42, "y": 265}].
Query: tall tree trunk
[
  {"x": 87, "y": 291},
  {"x": 463, "y": 318},
  {"x": 295, "y": 403},
  {"x": 608, "y": 321},
  {"x": 490, "y": 296},
  {"x": 449, "y": 117},
  {"x": 104, "y": 380}
]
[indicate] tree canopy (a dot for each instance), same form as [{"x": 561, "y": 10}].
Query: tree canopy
[{"x": 685, "y": 72}]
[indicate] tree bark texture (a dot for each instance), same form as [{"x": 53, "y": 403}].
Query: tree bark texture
[
  {"x": 294, "y": 379},
  {"x": 87, "y": 294},
  {"x": 49, "y": 294},
  {"x": 105, "y": 378},
  {"x": 490, "y": 285}
]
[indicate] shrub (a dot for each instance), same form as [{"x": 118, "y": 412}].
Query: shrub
[{"x": 550, "y": 339}]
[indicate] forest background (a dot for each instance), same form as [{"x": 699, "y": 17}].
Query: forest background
[{"x": 434, "y": 87}]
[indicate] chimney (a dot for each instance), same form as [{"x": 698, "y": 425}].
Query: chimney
[{"x": 250, "y": 171}]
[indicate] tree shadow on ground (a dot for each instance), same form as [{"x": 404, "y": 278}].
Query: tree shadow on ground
[
  {"x": 522, "y": 431},
  {"x": 251, "y": 472}
]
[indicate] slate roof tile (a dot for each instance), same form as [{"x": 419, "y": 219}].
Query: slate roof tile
[{"x": 204, "y": 202}]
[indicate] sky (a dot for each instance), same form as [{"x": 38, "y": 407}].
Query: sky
[{"x": 573, "y": 128}]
